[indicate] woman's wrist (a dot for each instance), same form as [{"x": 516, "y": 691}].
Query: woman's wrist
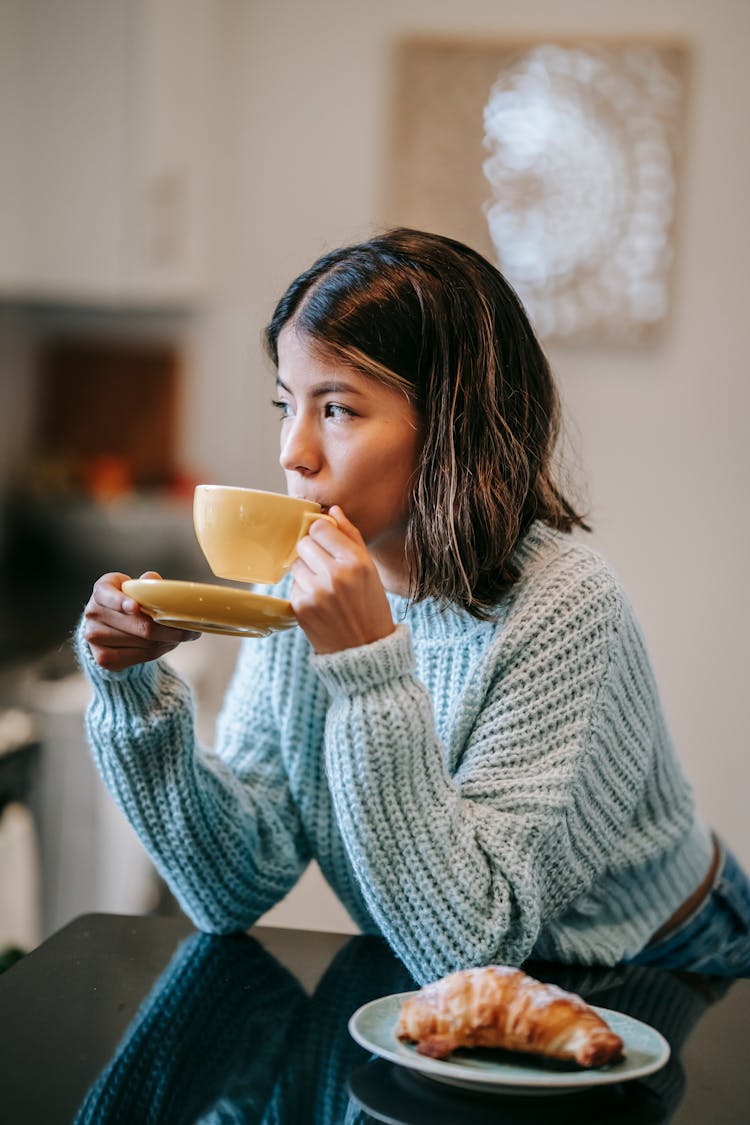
[{"x": 359, "y": 669}]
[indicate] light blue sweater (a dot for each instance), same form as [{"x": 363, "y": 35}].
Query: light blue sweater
[{"x": 474, "y": 791}]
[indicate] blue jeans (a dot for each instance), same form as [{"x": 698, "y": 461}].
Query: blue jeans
[{"x": 715, "y": 939}]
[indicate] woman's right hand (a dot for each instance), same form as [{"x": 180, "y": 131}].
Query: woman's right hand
[{"x": 119, "y": 634}]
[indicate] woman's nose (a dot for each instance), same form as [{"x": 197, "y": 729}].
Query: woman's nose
[{"x": 299, "y": 450}]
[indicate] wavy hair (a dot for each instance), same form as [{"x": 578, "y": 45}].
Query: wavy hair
[{"x": 432, "y": 317}]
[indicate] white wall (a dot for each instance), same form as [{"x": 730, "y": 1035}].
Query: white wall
[{"x": 661, "y": 432}]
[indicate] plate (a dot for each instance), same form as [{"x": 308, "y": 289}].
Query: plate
[
  {"x": 210, "y": 609},
  {"x": 646, "y": 1050}
]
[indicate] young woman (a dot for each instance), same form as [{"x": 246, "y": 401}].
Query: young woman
[{"x": 465, "y": 731}]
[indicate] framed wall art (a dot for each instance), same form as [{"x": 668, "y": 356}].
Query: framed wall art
[{"x": 557, "y": 160}]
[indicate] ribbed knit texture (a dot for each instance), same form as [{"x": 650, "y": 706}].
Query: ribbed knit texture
[
  {"x": 474, "y": 791},
  {"x": 312, "y": 1088},
  {"x": 206, "y": 1043}
]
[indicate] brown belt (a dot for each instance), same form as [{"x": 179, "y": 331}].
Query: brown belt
[{"x": 693, "y": 902}]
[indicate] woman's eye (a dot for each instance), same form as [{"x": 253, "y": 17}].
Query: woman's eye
[
  {"x": 336, "y": 410},
  {"x": 282, "y": 407}
]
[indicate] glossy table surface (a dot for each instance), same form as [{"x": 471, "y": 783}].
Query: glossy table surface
[{"x": 141, "y": 1019}]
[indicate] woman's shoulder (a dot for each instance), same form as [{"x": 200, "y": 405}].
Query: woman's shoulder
[
  {"x": 544, "y": 553},
  {"x": 560, "y": 572}
]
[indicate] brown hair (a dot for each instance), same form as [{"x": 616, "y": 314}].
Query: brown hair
[{"x": 429, "y": 315}]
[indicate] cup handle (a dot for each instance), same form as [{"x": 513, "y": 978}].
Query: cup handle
[{"x": 309, "y": 518}]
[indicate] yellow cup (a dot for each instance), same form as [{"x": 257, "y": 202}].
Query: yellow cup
[{"x": 248, "y": 535}]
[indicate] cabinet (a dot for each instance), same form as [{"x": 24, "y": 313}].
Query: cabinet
[{"x": 108, "y": 121}]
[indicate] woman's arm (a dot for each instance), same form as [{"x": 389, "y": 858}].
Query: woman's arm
[
  {"x": 466, "y": 868},
  {"x": 222, "y": 829}
]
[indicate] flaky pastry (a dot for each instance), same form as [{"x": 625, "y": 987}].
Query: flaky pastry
[{"x": 499, "y": 1006}]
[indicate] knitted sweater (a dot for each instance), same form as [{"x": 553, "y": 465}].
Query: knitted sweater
[{"x": 475, "y": 791}]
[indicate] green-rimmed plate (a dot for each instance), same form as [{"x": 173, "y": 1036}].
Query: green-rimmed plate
[{"x": 373, "y": 1026}]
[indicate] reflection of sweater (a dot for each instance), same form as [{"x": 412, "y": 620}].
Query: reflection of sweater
[
  {"x": 321, "y": 1054},
  {"x": 206, "y": 1042},
  {"x": 473, "y": 790}
]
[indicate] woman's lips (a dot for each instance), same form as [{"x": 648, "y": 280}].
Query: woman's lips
[
  {"x": 314, "y": 500},
  {"x": 324, "y": 507}
]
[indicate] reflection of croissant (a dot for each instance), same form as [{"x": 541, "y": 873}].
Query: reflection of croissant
[{"x": 502, "y": 1007}]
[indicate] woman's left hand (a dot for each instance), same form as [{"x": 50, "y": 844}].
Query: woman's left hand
[{"x": 337, "y": 595}]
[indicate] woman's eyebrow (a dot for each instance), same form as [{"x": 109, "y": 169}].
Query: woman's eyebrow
[{"x": 319, "y": 389}]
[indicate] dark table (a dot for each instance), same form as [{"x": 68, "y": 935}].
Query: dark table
[{"x": 144, "y": 1020}]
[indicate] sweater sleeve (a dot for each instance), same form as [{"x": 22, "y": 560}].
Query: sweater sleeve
[
  {"x": 464, "y": 866},
  {"x": 221, "y": 828}
]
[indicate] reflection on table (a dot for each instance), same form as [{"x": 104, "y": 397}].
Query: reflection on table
[{"x": 239, "y": 1029}]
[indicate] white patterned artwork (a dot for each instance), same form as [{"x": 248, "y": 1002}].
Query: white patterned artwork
[{"x": 559, "y": 161}]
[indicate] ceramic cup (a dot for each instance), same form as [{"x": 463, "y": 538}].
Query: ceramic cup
[{"x": 248, "y": 535}]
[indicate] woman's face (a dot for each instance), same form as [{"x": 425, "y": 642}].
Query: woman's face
[{"x": 346, "y": 439}]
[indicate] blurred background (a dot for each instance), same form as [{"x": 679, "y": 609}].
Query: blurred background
[{"x": 166, "y": 167}]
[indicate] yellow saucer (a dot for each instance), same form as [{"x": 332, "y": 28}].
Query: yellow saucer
[{"x": 210, "y": 609}]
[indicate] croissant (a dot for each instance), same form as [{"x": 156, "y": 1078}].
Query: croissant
[{"x": 499, "y": 1006}]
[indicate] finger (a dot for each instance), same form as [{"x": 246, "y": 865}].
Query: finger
[
  {"x": 112, "y": 581},
  {"x": 108, "y": 593},
  {"x": 342, "y": 524},
  {"x": 130, "y": 605},
  {"x": 305, "y": 580},
  {"x": 117, "y": 659},
  {"x": 345, "y": 545},
  {"x": 149, "y": 637},
  {"x": 319, "y": 557},
  {"x": 131, "y": 627}
]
